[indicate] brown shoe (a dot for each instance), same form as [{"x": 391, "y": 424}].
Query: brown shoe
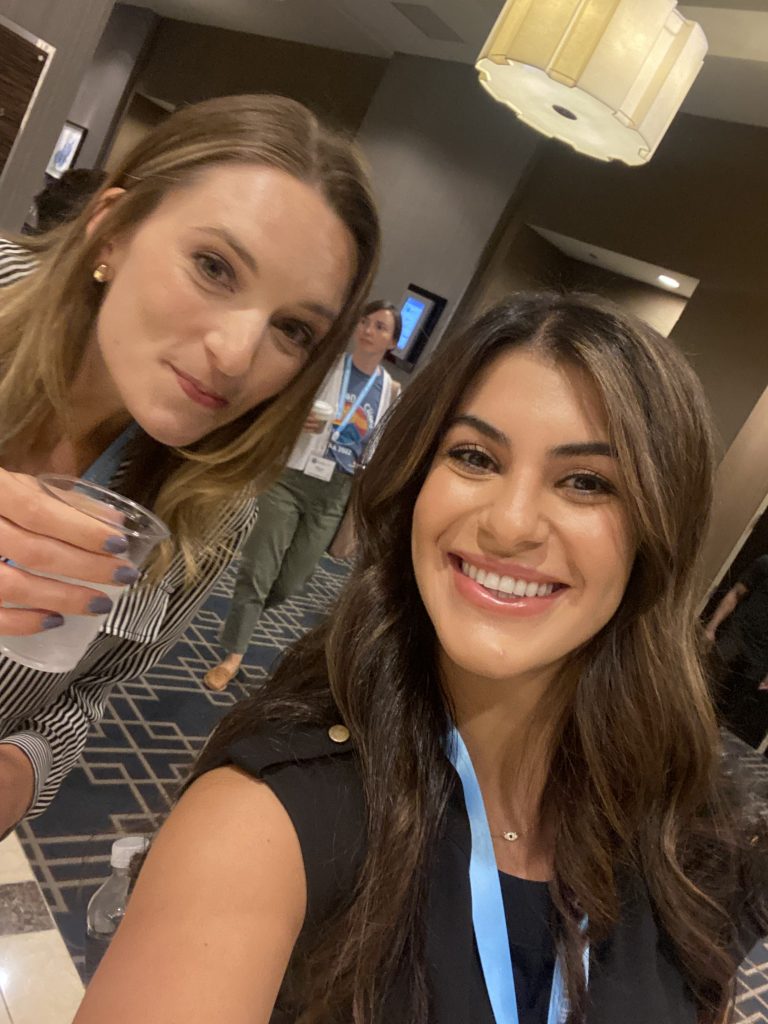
[{"x": 219, "y": 677}]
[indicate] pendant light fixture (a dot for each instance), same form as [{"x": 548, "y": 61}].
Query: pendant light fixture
[{"x": 605, "y": 76}]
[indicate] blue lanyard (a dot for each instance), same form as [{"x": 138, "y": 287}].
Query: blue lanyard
[
  {"x": 488, "y": 916},
  {"x": 104, "y": 468},
  {"x": 360, "y": 398}
]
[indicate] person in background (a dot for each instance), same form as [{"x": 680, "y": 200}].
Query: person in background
[
  {"x": 491, "y": 781},
  {"x": 64, "y": 198},
  {"x": 168, "y": 345},
  {"x": 61, "y": 201},
  {"x": 739, "y": 627},
  {"x": 302, "y": 512}
]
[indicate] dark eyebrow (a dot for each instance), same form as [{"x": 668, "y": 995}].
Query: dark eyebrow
[
  {"x": 561, "y": 451},
  {"x": 233, "y": 243},
  {"x": 492, "y": 433},
  {"x": 588, "y": 448}
]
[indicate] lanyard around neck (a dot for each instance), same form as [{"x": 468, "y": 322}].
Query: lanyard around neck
[
  {"x": 358, "y": 401},
  {"x": 488, "y": 915},
  {"x": 104, "y": 468}
]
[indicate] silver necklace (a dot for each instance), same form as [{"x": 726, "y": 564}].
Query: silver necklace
[{"x": 511, "y": 837}]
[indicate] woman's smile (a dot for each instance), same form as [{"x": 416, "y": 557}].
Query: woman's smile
[
  {"x": 519, "y": 592},
  {"x": 521, "y": 547}
]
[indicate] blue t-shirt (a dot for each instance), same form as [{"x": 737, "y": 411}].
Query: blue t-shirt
[{"x": 347, "y": 452}]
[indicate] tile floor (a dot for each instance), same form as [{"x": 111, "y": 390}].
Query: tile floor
[{"x": 31, "y": 949}]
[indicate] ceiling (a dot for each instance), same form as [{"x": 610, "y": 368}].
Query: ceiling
[
  {"x": 618, "y": 263},
  {"x": 732, "y": 86}
]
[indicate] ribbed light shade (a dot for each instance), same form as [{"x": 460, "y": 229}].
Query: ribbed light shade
[{"x": 605, "y": 76}]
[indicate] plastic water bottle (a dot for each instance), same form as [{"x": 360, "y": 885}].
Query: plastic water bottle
[{"x": 107, "y": 905}]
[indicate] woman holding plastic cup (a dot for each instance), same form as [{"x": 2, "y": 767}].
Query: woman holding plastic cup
[{"x": 168, "y": 348}]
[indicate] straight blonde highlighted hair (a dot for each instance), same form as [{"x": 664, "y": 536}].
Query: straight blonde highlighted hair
[{"x": 47, "y": 319}]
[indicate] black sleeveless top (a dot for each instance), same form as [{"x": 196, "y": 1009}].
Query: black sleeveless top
[{"x": 634, "y": 977}]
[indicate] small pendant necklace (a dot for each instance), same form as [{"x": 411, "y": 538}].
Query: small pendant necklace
[{"x": 511, "y": 837}]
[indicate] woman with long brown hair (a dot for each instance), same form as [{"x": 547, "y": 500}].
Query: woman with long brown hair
[
  {"x": 490, "y": 786},
  {"x": 168, "y": 345}
]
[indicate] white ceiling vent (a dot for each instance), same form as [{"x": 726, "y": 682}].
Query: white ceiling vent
[{"x": 428, "y": 23}]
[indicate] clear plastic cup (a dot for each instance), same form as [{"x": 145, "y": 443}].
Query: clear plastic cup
[{"x": 60, "y": 649}]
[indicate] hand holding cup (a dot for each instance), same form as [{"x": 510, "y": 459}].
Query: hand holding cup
[
  {"x": 71, "y": 534},
  {"x": 43, "y": 534},
  {"x": 322, "y": 413}
]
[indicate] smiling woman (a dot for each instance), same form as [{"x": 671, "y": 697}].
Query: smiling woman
[
  {"x": 491, "y": 784},
  {"x": 169, "y": 345},
  {"x": 523, "y": 497}
]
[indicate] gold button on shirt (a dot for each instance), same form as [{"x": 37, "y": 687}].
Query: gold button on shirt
[{"x": 339, "y": 733}]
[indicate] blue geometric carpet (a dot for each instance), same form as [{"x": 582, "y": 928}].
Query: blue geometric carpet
[{"x": 138, "y": 754}]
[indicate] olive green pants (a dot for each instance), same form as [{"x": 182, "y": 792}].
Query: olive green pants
[{"x": 298, "y": 517}]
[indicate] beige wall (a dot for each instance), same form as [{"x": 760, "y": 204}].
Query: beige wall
[
  {"x": 189, "y": 62},
  {"x": 523, "y": 260},
  {"x": 660, "y": 309},
  {"x": 106, "y": 85},
  {"x": 141, "y": 116},
  {"x": 699, "y": 208},
  {"x": 742, "y": 490},
  {"x": 445, "y": 160},
  {"x": 74, "y": 27}
]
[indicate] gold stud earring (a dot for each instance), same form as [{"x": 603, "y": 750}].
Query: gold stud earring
[{"x": 102, "y": 273}]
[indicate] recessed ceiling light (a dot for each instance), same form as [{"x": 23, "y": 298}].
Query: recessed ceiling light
[{"x": 667, "y": 281}]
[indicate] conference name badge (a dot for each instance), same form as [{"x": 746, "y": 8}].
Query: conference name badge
[{"x": 319, "y": 468}]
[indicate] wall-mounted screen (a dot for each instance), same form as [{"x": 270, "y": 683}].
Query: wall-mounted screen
[
  {"x": 413, "y": 311},
  {"x": 420, "y": 310}
]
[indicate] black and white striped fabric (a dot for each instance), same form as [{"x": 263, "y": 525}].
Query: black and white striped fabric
[
  {"x": 48, "y": 715},
  {"x": 15, "y": 262}
]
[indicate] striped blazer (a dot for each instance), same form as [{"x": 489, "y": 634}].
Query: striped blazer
[
  {"x": 15, "y": 262},
  {"x": 48, "y": 715}
]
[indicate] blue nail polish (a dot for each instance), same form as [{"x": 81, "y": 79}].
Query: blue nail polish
[
  {"x": 52, "y": 621},
  {"x": 125, "y": 574},
  {"x": 116, "y": 545},
  {"x": 100, "y": 606}
]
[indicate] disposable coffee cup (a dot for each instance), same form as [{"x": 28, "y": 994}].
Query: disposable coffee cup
[
  {"x": 60, "y": 649},
  {"x": 323, "y": 411}
]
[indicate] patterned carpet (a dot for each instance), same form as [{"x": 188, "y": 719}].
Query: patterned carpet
[
  {"x": 137, "y": 755},
  {"x": 153, "y": 727}
]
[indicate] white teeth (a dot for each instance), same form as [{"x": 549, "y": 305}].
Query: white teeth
[{"x": 506, "y": 584}]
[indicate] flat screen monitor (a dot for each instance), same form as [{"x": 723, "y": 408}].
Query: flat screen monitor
[
  {"x": 420, "y": 310},
  {"x": 414, "y": 312}
]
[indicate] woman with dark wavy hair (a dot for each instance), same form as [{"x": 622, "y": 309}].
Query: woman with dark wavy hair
[{"x": 490, "y": 786}]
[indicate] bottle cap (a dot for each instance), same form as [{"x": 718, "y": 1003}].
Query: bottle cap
[{"x": 124, "y": 850}]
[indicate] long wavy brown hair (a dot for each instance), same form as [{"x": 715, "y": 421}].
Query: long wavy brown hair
[
  {"x": 636, "y": 781},
  {"x": 47, "y": 318}
]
